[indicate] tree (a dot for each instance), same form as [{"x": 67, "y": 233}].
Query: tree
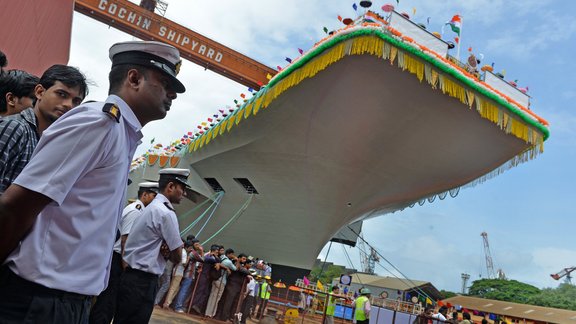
[
  {"x": 330, "y": 272},
  {"x": 562, "y": 297},
  {"x": 447, "y": 294},
  {"x": 505, "y": 290}
]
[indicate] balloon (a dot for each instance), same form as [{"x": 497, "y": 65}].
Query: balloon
[
  {"x": 387, "y": 8},
  {"x": 365, "y": 3}
]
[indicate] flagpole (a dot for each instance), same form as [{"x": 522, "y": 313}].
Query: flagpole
[{"x": 459, "y": 39}]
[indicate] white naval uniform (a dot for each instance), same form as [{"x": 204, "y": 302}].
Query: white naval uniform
[
  {"x": 129, "y": 215},
  {"x": 81, "y": 163},
  {"x": 157, "y": 223}
]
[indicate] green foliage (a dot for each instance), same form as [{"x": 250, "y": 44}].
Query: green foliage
[
  {"x": 330, "y": 272},
  {"x": 447, "y": 294},
  {"x": 563, "y": 297},
  {"x": 505, "y": 290}
]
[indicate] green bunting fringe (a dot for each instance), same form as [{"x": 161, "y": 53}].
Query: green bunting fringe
[{"x": 424, "y": 66}]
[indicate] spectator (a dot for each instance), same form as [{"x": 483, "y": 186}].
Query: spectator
[
  {"x": 60, "y": 89},
  {"x": 16, "y": 91}
]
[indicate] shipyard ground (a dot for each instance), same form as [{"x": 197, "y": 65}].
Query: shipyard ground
[{"x": 162, "y": 316}]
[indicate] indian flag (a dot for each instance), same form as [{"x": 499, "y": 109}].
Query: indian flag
[{"x": 455, "y": 24}]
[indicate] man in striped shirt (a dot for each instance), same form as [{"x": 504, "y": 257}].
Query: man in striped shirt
[{"x": 60, "y": 89}]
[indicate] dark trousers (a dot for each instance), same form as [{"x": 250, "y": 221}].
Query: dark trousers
[
  {"x": 104, "y": 309},
  {"x": 247, "y": 308},
  {"x": 136, "y": 297},
  {"x": 23, "y": 301},
  {"x": 263, "y": 305}
]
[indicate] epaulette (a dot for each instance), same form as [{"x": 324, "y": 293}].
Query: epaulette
[
  {"x": 138, "y": 206},
  {"x": 112, "y": 110},
  {"x": 168, "y": 206}
]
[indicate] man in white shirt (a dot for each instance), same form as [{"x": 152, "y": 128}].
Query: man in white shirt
[
  {"x": 104, "y": 309},
  {"x": 250, "y": 295},
  {"x": 58, "y": 220},
  {"x": 441, "y": 315},
  {"x": 157, "y": 224}
]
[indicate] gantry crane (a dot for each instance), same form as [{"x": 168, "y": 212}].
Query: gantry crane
[
  {"x": 368, "y": 258},
  {"x": 564, "y": 273},
  {"x": 142, "y": 22},
  {"x": 489, "y": 263}
]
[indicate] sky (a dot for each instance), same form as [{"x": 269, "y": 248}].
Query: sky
[{"x": 528, "y": 211}]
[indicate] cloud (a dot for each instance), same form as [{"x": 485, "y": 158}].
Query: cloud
[{"x": 527, "y": 39}]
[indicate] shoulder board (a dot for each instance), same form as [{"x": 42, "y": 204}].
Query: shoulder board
[
  {"x": 168, "y": 206},
  {"x": 112, "y": 110},
  {"x": 138, "y": 206}
]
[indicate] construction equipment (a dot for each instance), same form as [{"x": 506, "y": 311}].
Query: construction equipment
[
  {"x": 489, "y": 263},
  {"x": 564, "y": 273},
  {"x": 144, "y": 23},
  {"x": 368, "y": 258},
  {"x": 465, "y": 278}
]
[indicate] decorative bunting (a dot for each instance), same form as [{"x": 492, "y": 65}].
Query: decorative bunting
[{"x": 414, "y": 58}]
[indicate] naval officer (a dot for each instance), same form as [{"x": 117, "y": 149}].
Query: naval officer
[
  {"x": 157, "y": 224},
  {"x": 105, "y": 307},
  {"x": 58, "y": 220}
]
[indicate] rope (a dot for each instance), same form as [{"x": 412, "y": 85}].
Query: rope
[
  {"x": 209, "y": 217},
  {"x": 350, "y": 263},
  {"x": 325, "y": 259},
  {"x": 215, "y": 201},
  {"x": 211, "y": 199},
  {"x": 414, "y": 286},
  {"x": 238, "y": 213}
]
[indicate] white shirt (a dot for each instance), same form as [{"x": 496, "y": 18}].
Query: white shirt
[
  {"x": 81, "y": 163},
  {"x": 157, "y": 223},
  {"x": 129, "y": 215},
  {"x": 251, "y": 287},
  {"x": 180, "y": 266},
  {"x": 439, "y": 316}
]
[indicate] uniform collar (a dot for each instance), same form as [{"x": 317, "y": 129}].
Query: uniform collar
[
  {"x": 126, "y": 112},
  {"x": 163, "y": 200}
]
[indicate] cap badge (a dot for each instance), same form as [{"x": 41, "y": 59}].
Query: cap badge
[{"x": 178, "y": 65}]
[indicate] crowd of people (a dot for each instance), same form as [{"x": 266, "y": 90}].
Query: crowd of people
[
  {"x": 442, "y": 315},
  {"x": 71, "y": 252},
  {"x": 63, "y": 176}
]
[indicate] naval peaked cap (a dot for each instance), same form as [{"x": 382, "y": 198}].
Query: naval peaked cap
[{"x": 163, "y": 57}]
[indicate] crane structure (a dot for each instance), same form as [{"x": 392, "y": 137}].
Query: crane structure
[
  {"x": 465, "y": 277},
  {"x": 368, "y": 258},
  {"x": 489, "y": 263},
  {"x": 142, "y": 22},
  {"x": 564, "y": 273}
]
